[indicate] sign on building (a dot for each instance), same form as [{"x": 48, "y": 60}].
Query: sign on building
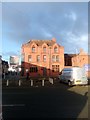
[
  {"x": 14, "y": 60},
  {"x": 87, "y": 67}
]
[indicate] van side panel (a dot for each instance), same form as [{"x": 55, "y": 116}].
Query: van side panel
[{"x": 76, "y": 75}]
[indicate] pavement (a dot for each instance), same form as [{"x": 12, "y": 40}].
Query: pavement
[{"x": 60, "y": 101}]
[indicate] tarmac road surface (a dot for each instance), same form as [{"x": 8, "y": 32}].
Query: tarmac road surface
[{"x": 45, "y": 102}]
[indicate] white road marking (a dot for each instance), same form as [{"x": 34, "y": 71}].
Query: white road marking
[
  {"x": 12, "y": 93},
  {"x": 12, "y": 105},
  {"x": 0, "y": 115}
]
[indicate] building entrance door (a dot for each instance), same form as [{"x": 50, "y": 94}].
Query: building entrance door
[{"x": 44, "y": 71}]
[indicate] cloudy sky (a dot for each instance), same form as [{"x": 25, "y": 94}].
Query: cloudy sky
[{"x": 67, "y": 22}]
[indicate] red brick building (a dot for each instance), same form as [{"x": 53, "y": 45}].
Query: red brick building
[
  {"x": 42, "y": 58},
  {"x": 81, "y": 59}
]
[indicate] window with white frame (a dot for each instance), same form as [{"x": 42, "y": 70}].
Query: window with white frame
[
  {"x": 53, "y": 58},
  {"x": 44, "y": 49},
  {"x": 33, "y": 69},
  {"x": 57, "y": 58},
  {"x": 44, "y": 58},
  {"x": 29, "y": 58},
  {"x": 38, "y": 58},
  {"x": 55, "y": 68},
  {"x": 33, "y": 49},
  {"x": 55, "y": 49}
]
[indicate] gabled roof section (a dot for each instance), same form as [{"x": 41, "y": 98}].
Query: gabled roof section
[
  {"x": 82, "y": 52},
  {"x": 41, "y": 42}
]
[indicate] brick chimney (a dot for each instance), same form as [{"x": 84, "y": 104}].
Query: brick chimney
[
  {"x": 81, "y": 50},
  {"x": 54, "y": 39}
]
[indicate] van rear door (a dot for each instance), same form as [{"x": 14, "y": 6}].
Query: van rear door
[
  {"x": 80, "y": 76},
  {"x": 67, "y": 74}
]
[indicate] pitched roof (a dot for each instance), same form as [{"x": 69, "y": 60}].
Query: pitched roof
[{"x": 40, "y": 42}]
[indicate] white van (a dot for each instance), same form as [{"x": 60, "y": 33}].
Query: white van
[{"x": 74, "y": 76}]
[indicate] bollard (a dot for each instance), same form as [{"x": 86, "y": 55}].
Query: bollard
[
  {"x": 19, "y": 82},
  {"x": 42, "y": 82},
  {"x": 31, "y": 82},
  {"x": 51, "y": 80},
  {"x": 7, "y": 82}
]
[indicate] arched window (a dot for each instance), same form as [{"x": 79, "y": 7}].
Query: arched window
[
  {"x": 44, "y": 49},
  {"x": 53, "y": 58},
  {"x": 57, "y": 58},
  {"x": 33, "y": 49},
  {"x": 55, "y": 49}
]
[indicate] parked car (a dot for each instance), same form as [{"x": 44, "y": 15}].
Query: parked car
[{"x": 73, "y": 76}]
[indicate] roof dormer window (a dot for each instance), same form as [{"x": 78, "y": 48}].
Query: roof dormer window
[
  {"x": 44, "y": 49},
  {"x": 55, "y": 49}
]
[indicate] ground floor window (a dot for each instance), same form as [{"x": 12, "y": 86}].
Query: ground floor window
[
  {"x": 55, "y": 68},
  {"x": 33, "y": 69}
]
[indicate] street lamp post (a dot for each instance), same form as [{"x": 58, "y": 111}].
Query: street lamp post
[{"x": 49, "y": 61}]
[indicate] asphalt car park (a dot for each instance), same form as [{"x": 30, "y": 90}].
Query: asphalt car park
[{"x": 53, "y": 101}]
